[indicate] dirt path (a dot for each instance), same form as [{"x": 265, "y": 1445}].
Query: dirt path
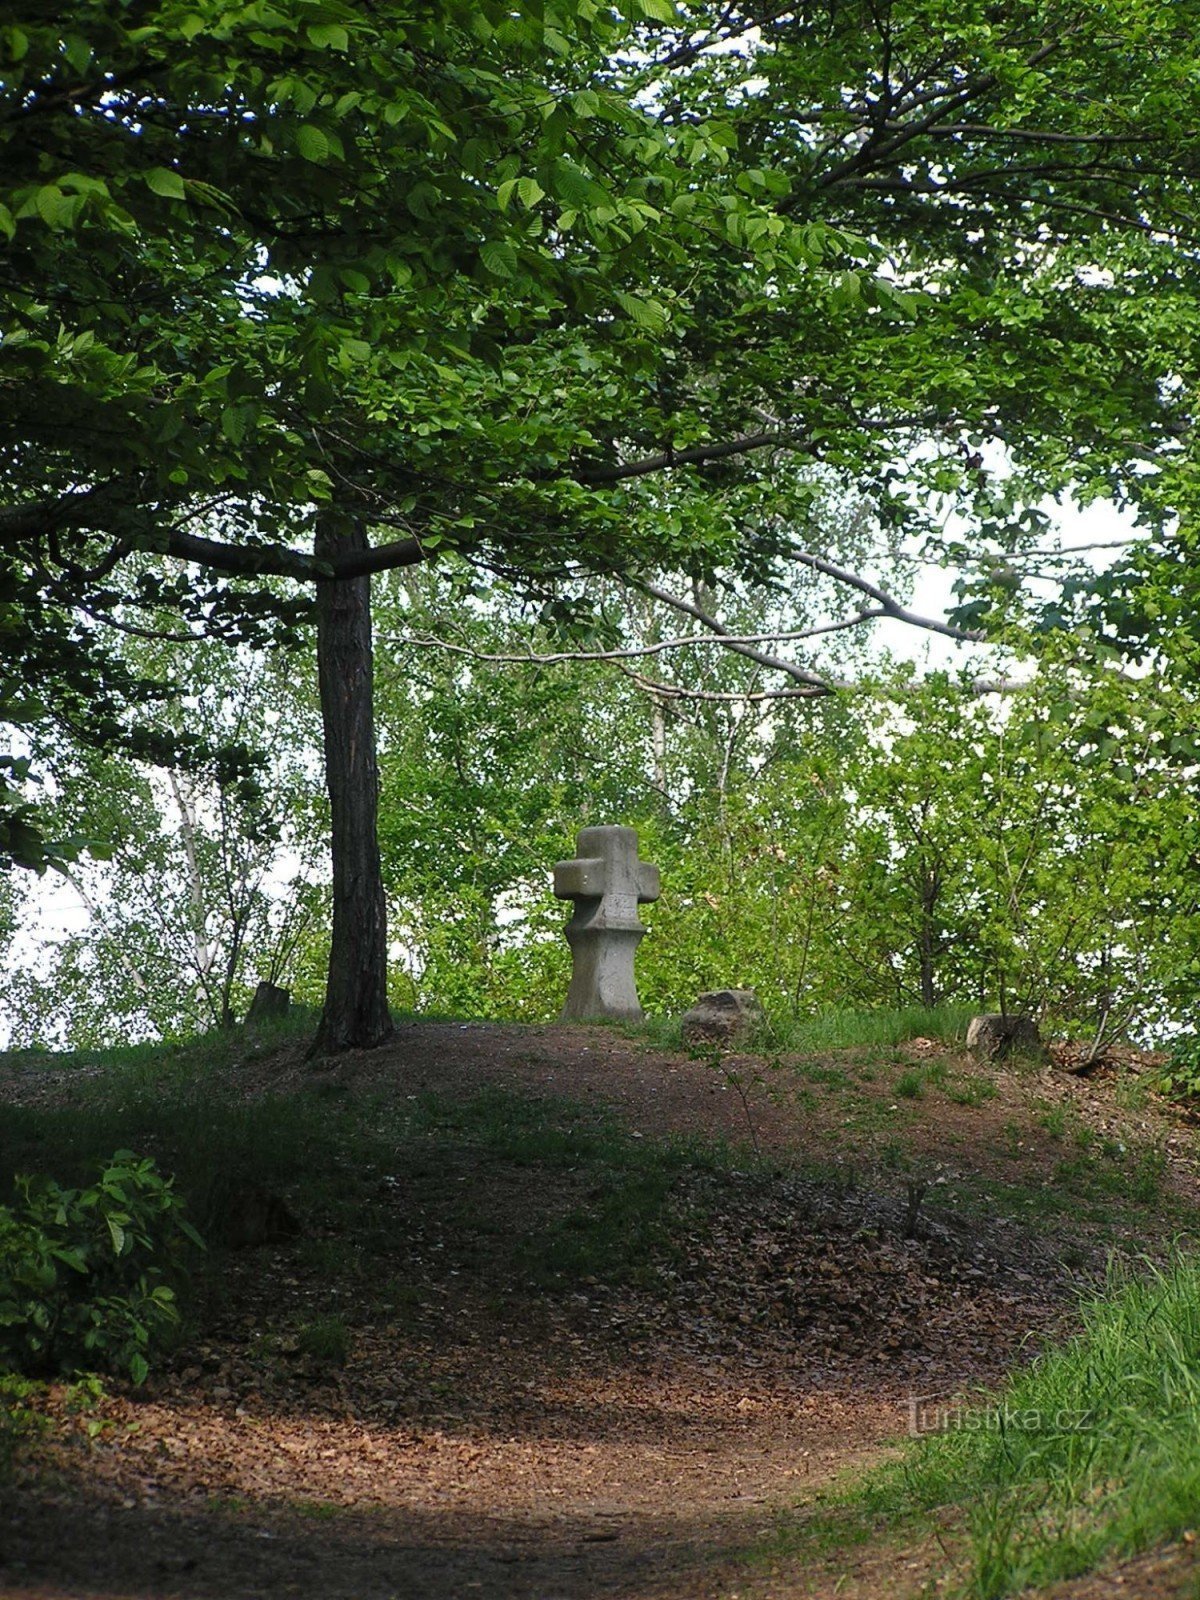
[
  {"x": 205, "y": 1505},
  {"x": 632, "y": 1443}
]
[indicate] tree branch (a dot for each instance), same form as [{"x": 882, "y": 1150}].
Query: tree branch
[
  {"x": 94, "y": 510},
  {"x": 678, "y": 692},
  {"x": 695, "y": 455},
  {"x": 984, "y": 130},
  {"x": 813, "y": 680},
  {"x": 888, "y": 606},
  {"x": 634, "y": 652},
  {"x": 894, "y": 134},
  {"x": 675, "y": 691}
]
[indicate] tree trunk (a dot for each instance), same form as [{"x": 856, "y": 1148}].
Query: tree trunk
[
  {"x": 931, "y": 889},
  {"x": 356, "y": 1012}
]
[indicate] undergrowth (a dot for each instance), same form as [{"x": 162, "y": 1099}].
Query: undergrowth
[
  {"x": 343, "y": 1160},
  {"x": 87, "y": 1275},
  {"x": 617, "y": 1218}
]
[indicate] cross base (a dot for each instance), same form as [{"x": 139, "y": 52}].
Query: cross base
[{"x": 602, "y": 982}]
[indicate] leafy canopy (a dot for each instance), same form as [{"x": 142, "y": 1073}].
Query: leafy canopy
[{"x": 563, "y": 288}]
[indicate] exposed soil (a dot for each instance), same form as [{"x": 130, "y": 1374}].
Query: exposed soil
[{"x": 634, "y": 1439}]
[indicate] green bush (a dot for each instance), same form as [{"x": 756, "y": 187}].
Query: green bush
[
  {"x": 84, "y": 1272},
  {"x": 1181, "y": 1078}
]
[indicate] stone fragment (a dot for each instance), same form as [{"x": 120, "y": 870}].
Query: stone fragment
[
  {"x": 607, "y": 882},
  {"x": 722, "y": 1017},
  {"x": 995, "y": 1037}
]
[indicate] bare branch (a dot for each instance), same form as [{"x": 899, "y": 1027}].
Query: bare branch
[
  {"x": 166, "y": 636},
  {"x": 679, "y": 692},
  {"x": 888, "y": 606},
  {"x": 1071, "y": 549},
  {"x": 983, "y": 130},
  {"x": 814, "y": 680},
  {"x": 674, "y": 691},
  {"x": 633, "y": 652}
]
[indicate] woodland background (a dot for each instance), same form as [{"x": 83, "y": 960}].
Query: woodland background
[{"x": 918, "y": 838}]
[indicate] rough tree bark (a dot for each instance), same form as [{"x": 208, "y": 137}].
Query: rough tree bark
[{"x": 356, "y": 1013}]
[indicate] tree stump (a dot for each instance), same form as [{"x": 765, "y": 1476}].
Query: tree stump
[
  {"x": 995, "y": 1037},
  {"x": 269, "y": 1003}
]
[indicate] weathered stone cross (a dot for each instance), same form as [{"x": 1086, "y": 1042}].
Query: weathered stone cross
[{"x": 607, "y": 882}]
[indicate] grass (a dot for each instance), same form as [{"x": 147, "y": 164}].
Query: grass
[
  {"x": 581, "y": 1197},
  {"x": 176, "y": 1056},
  {"x": 829, "y": 1030},
  {"x": 971, "y": 1091},
  {"x": 1113, "y": 1170},
  {"x": 623, "y": 1184},
  {"x": 910, "y": 1085},
  {"x": 319, "y": 1510},
  {"x": 662, "y": 1033},
  {"x": 1110, "y": 1196},
  {"x": 1091, "y": 1453},
  {"x": 326, "y": 1340},
  {"x": 1095, "y": 1451},
  {"x": 854, "y": 1030}
]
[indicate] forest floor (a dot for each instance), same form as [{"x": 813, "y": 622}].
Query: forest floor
[{"x": 553, "y": 1312}]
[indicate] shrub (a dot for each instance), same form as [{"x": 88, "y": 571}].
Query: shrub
[
  {"x": 18, "y": 1420},
  {"x": 1181, "y": 1078},
  {"x": 84, "y": 1272}
]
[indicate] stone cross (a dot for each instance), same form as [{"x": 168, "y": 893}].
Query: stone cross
[{"x": 607, "y": 882}]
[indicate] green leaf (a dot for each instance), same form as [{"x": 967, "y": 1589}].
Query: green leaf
[
  {"x": 117, "y": 1233},
  {"x": 78, "y": 52},
  {"x": 499, "y": 257},
  {"x": 577, "y": 188},
  {"x": 645, "y": 312},
  {"x": 233, "y": 424},
  {"x": 312, "y": 143},
  {"x": 530, "y": 191},
  {"x": 166, "y": 183},
  {"x": 658, "y": 10},
  {"x": 73, "y": 1258},
  {"x": 329, "y": 36},
  {"x": 53, "y": 206}
]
